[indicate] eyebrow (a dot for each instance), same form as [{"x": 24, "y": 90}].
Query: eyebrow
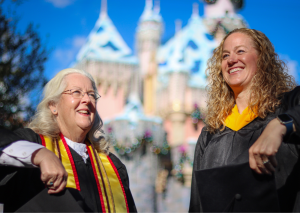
[
  {"x": 81, "y": 89},
  {"x": 236, "y": 47}
]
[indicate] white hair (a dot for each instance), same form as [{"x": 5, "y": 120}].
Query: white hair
[{"x": 44, "y": 122}]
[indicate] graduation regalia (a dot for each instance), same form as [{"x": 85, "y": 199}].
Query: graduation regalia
[
  {"x": 99, "y": 185},
  {"x": 223, "y": 181}
]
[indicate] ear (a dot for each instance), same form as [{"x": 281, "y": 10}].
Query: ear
[{"x": 53, "y": 108}]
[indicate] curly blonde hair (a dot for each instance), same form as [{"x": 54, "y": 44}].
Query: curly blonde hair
[
  {"x": 269, "y": 82},
  {"x": 44, "y": 122}
]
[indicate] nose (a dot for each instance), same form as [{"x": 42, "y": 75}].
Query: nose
[
  {"x": 86, "y": 98},
  {"x": 232, "y": 59}
]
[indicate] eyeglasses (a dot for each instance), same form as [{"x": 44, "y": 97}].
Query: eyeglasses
[{"x": 79, "y": 94}]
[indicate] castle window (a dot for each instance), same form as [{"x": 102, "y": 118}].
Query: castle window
[
  {"x": 110, "y": 45},
  {"x": 196, "y": 67},
  {"x": 209, "y": 37},
  {"x": 192, "y": 45},
  {"x": 100, "y": 29}
]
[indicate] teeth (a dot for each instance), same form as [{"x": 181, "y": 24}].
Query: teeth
[
  {"x": 83, "y": 111},
  {"x": 235, "y": 69}
]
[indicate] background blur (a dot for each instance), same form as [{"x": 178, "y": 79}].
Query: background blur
[
  {"x": 149, "y": 58},
  {"x": 65, "y": 24}
]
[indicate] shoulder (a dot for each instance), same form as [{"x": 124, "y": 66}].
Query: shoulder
[
  {"x": 8, "y": 137},
  {"x": 122, "y": 171},
  {"x": 29, "y": 135},
  {"x": 203, "y": 141},
  {"x": 116, "y": 161},
  {"x": 292, "y": 97},
  {"x": 204, "y": 137}
]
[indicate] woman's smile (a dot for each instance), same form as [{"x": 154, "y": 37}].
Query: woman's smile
[
  {"x": 234, "y": 70},
  {"x": 84, "y": 112},
  {"x": 239, "y": 61}
]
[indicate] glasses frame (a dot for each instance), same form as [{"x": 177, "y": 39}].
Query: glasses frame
[{"x": 71, "y": 92}]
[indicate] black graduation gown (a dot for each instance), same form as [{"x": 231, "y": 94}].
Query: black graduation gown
[
  {"x": 21, "y": 189},
  {"x": 222, "y": 180}
]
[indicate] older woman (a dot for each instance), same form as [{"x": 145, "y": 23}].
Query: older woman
[
  {"x": 75, "y": 157},
  {"x": 252, "y": 122}
]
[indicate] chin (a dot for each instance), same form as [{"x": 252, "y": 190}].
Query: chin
[{"x": 85, "y": 126}]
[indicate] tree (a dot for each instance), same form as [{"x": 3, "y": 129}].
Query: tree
[{"x": 22, "y": 58}]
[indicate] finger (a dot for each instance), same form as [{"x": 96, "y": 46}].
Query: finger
[
  {"x": 59, "y": 188},
  {"x": 269, "y": 166},
  {"x": 252, "y": 161},
  {"x": 273, "y": 160},
  {"x": 47, "y": 178},
  {"x": 260, "y": 163},
  {"x": 51, "y": 180},
  {"x": 57, "y": 182}
]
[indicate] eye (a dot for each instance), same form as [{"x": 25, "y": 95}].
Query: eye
[
  {"x": 92, "y": 95},
  {"x": 240, "y": 51},
  {"x": 225, "y": 56},
  {"x": 76, "y": 92}
]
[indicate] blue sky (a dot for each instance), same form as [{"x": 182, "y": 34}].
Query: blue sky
[{"x": 65, "y": 24}]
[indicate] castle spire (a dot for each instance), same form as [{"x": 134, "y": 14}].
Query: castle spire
[
  {"x": 103, "y": 12},
  {"x": 156, "y": 6},
  {"x": 178, "y": 25},
  {"x": 149, "y": 5},
  {"x": 195, "y": 9}
]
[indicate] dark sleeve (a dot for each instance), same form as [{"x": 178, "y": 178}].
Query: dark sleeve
[
  {"x": 8, "y": 137},
  {"x": 291, "y": 105},
  {"x": 29, "y": 135},
  {"x": 195, "y": 205},
  {"x": 125, "y": 180}
]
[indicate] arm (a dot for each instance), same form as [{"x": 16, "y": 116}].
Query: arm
[
  {"x": 7, "y": 137},
  {"x": 262, "y": 153},
  {"x": 19, "y": 154},
  {"x": 16, "y": 148},
  {"x": 51, "y": 167}
]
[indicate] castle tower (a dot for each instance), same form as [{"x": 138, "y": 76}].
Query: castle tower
[
  {"x": 108, "y": 58},
  {"x": 220, "y": 17},
  {"x": 181, "y": 76},
  {"x": 148, "y": 39}
]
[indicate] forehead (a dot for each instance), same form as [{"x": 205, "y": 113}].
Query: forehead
[
  {"x": 238, "y": 39},
  {"x": 79, "y": 81}
]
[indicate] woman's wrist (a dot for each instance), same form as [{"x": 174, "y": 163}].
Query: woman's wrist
[{"x": 279, "y": 127}]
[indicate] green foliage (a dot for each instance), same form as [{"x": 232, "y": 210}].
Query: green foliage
[{"x": 22, "y": 58}]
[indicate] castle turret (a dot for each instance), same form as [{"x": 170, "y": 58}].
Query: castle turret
[
  {"x": 220, "y": 17},
  {"x": 149, "y": 33},
  {"x": 148, "y": 39},
  {"x": 108, "y": 58},
  {"x": 181, "y": 75}
]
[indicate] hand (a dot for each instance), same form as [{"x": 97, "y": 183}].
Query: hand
[
  {"x": 262, "y": 153},
  {"x": 52, "y": 170}
]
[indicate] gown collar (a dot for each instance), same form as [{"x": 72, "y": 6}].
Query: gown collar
[
  {"x": 80, "y": 148},
  {"x": 237, "y": 121}
]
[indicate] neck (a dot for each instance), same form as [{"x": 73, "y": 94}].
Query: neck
[
  {"x": 78, "y": 138},
  {"x": 241, "y": 100},
  {"x": 77, "y": 135}
]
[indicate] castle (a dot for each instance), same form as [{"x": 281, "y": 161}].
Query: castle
[{"x": 153, "y": 101}]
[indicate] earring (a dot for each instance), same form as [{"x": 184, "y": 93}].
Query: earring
[{"x": 54, "y": 110}]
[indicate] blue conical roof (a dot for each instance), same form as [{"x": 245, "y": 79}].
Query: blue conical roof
[
  {"x": 106, "y": 44},
  {"x": 188, "y": 51}
]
